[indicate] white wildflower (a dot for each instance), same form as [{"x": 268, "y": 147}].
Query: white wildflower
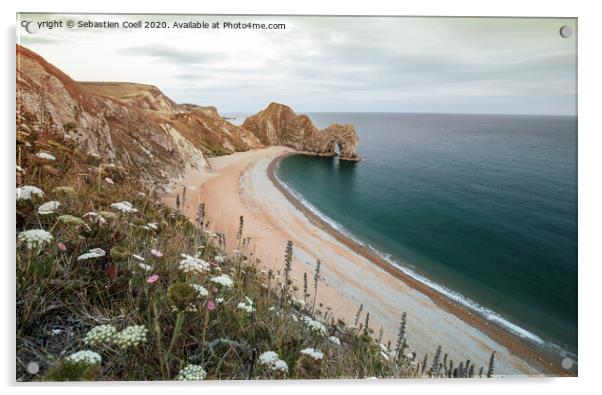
[
  {"x": 219, "y": 300},
  {"x": 95, "y": 217},
  {"x": 192, "y": 372},
  {"x": 151, "y": 226},
  {"x": 48, "y": 207},
  {"x": 191, "y": 264},
  {"x": 268, "y": 358},
  {"x": 200, "y": 290},
  {"x": 314, "y": 325},
  {"x": 409, "y": 355},
  {"x": 281, "y": 366},
  {"x": 45, "y": 156},
  {"x": 219, "y": 259},
  {"x": 223, "y": 280},
  {"x": 124, "y": 207},
  {"x": 101, "y": 334},
  {"x": 27, "y": 192},
  {"x": 93, "y": 253},
  {"x": 87, "y": 356},
  {"x": 247, "y": 305},
  {"x": 313, "y": 353},
  {"x": 109, "y": 181},
  {"x": 131, "y": 336},
  {"x": 145, "y": 267},
  {"x": 335, "y": 340},
  {"x": 35, "y": 238}
]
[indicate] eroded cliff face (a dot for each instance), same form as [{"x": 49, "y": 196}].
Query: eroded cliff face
[
  {"x": 278, "y": 124},
  {"x": 138, "y": 127}
]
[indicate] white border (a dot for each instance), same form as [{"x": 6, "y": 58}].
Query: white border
[{"x": 590, "y": 196}]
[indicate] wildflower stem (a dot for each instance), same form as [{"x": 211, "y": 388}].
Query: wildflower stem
[{"x": 176, "y": 331}]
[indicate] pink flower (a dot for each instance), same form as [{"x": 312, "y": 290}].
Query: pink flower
[
  {"x": 211, "y": 305},
  {"x": 152, "y": 279},
  {"x": 157, "y": 253},
  {"x": 62, "y": 246}
]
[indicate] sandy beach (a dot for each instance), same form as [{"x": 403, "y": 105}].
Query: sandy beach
[{"x": 243, "y": 184}]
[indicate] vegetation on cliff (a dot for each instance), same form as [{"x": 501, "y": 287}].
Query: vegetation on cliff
[{"x": 114, "y": 285}]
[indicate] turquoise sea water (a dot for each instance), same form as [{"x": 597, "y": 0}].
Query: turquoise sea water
[{"x": 483, "y": 205}]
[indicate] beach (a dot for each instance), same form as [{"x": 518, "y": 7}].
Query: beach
[{"x": 244, "y": 184}]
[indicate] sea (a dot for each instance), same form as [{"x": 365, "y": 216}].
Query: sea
[{"x": 481, "y": 207}]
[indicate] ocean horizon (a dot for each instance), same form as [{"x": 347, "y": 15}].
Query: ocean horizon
[{"x": 480, "y": 207}]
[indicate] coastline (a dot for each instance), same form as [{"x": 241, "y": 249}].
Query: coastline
[
  {"x": 244, "y": 184},
  {"x": 528, "y": 352}
]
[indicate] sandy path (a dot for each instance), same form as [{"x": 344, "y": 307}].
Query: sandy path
[{"x": 239, "y": 185}]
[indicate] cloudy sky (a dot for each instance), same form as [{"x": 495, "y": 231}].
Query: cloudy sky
[{"x": 376, "y": 64}]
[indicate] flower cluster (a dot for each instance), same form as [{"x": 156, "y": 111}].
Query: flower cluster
[
  {"x": 35, "y": 238},
  {"x": 192, "y": 372},
  {"x": 95, "y": 218},
  {"x": 224, "y": 280},
  {"x": 124, "y": 207},
  {"x": 101, "y": 334},
  {"x": 335, "y": 340},
  {"x": 49, "y": 207},
  {"x": 313, "y": 353},
  {"x": 131, "y": 336},
  {"x": 93, "y": 253},
  {"x": 86, "y": 356},
  {"x": 190, "y": 264},
  {"x": 27, "y": 192},
  {"x": 271, "y": 360},
  {"x": 314, "y": 325},
  {"x": 200, "y": 290},
  {"x": 247, "y": 305}
]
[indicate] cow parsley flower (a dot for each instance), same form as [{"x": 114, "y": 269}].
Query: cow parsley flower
[
  {"x": 200, "y": 290},
  {"x": 192, "y": 372},
  {"x": 49, "y": 207},
  {"x": 313, "y": 353},
  {"x": 27, "y": 192},
  {"x": 101, "y": 334},
  {"x": 268, "y": 358},
  {"x": 281, "y": 366},
  {"x": 45, "y": 156},
  {"x": 191, "y": 264},
  {"x": 247, "y": 305},
  {"x": 335, "y": 340},
  {"x": 131, "y": 336},
  {"x": 95, "y": 218},
  {"x": 314, "y": 325},
  {"x": 124, "y": 207},
  {"x": 93, "y": 253},
  {"x": 223, "y": 279},
  {"x": 86, "y": 356},
  {"x": 35, "y": 238}
]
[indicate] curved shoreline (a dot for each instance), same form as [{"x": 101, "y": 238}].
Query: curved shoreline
[{"x": 539, "y": 358}]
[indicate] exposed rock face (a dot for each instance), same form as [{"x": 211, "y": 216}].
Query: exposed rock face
[
  {"x": 132, "y": 125},
  {"x": 278, "y": 124},
  {"x": 140, "y": 128}
]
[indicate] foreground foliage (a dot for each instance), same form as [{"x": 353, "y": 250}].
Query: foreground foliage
[{"x": 114, "y": 285}]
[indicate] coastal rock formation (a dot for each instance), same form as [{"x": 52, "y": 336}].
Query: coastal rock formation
[
  {"x": 138, "y": 127},
  {"x": 278, "y": 124}
]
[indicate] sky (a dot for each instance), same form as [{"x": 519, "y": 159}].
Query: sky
[{"x": 330, "y": 64}]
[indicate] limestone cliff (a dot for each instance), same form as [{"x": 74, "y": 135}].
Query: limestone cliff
[{"x": 278, "y": 124}]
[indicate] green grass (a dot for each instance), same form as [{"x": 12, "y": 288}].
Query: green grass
[{"x": 60, "y": 299}]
